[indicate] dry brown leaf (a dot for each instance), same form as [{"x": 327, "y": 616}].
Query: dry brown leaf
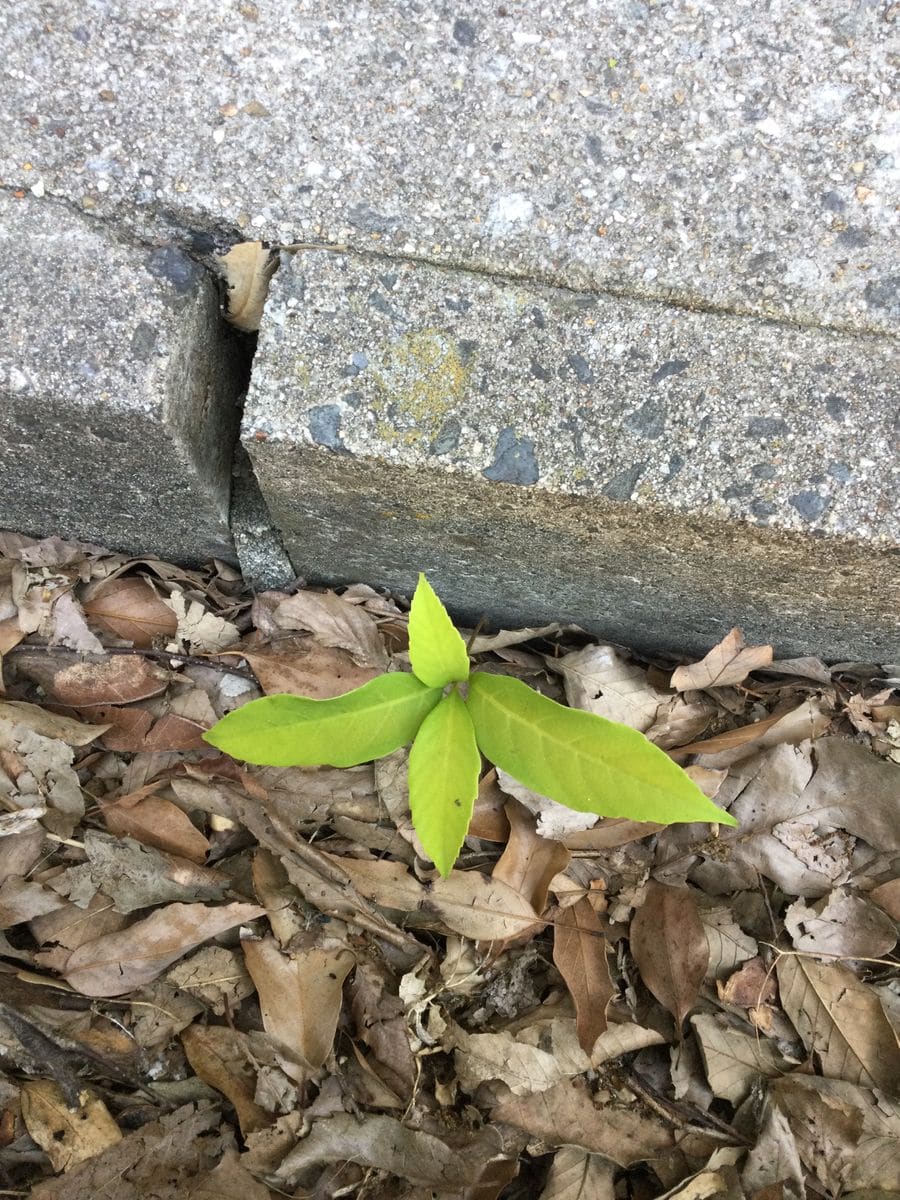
[
  {"x": 579, "y": 952},
  {"x": 529, "y": 862},
  {"x": 773, "y": 1168},
  {"x": 887, "y": 896},
  {"x": 334, "y": 622},
  {"x": 466, "y": 902},
  {"x": 136, "y": 876},
  {"x": 304, "y": 667},
  {"x": 178, "y": 1146},
  {"x": 575, "y": 1175},
  {"x": 847, "y": 1136},
  {"x": 66, "y": 1137},
  {"x": 489, "y": 820},
  {"x": 121, "y": 679},
  {"x": 228, "y": 1180},
  {"x": 155, "y": 821},
  {"x": 120, "y": 962},
  {"x": 247, "y": 268},
  {"x": 734, "y": 1060},
  {"x": 300, "y": 995},
  {"x": 749, "y": 987},
  {"x": 11, "y": 633},
  {"x": 804, "y": 723},
  {"x": 22, "y": 900},
  {"x": 129, "y": 608},
  {"x": 198, "y": 630},
  {"x": 854, "y": 789},
  {"x": 840, "y": 1021},
  {"x": 135, "y": 731},
  {"x": 622, "y": 1039},
  {"x": 728, "y": 663},
  {"x": 524, "y": 1069},
  {"x": 38, "y": 768},
  {"x": 600, "y": 681},
  {"x": 387, "y": 1145},
  {"x": 567, "y": 1115},
  {"x": 668, "y": 942},
  {"x": 48, "y": 724},
  {"x": 609, "y": 833},
  {"x": 278, "y": 894},
  {"x": 216, "y": 976},
  {"x": 222, "y": 1058},
  {"x": 73, "y": 925},
  {"x": 840, "y": 925}
]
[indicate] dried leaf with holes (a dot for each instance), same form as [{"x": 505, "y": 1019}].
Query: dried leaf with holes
[
  {"x": 68, "y": 1137},
  {"x": 248, "y": 268}
]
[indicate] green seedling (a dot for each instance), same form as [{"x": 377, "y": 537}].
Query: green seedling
[{"x": 453, "y": 716}]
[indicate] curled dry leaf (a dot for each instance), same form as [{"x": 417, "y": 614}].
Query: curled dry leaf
[
  {"x": 200, "y": 631},
  {"x": 529, "y": 862},
  {"x": 668, "y": 942},
  {"x": 300, "y": 995},
  {"x": 129, "y": 608},
  {"x": 120, "y": 962},
  {"x": 67, "y": 1137},
  {"x": 728, "y": 663},
  {"x": 247, "y": 268},
  {"x": 334, "y": 622},
  {"x": 579, "y": 952},
  {"x": 840, "y": 1021},
  {"x": 804, "y": 723},
  {"x": 622, "y": 1039}
]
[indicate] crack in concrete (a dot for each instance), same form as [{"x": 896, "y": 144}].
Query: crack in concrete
[{"x": 188, "y": 229}]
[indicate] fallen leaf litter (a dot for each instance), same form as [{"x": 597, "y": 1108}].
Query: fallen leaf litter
[{"x": 224, "y": 980}]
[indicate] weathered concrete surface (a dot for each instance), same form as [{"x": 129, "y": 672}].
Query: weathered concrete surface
[
  {"x": 654, "y": 474},
  {"x": 118, "y": 388},
  {"x": 734, "y": 157}
]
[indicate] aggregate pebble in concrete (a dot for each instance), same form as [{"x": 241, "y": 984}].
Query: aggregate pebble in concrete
[
  {"x": 118, "y": 388},
  {"x": 737, "y": 157},
  {"x": 529, "y": 443}
]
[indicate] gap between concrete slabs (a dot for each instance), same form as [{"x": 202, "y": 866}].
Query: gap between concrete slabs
[{"x": 654, "y": 474}]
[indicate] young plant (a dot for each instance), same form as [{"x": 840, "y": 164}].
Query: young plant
[{"x": 453, "y": 716}]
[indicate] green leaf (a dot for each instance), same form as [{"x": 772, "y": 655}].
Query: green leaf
[
  {"x": 444, "y": 765},
  {"x": 579, "y": 759},
  {"x": 436, "y": 650},
  {"x": 293, "y": 731}
]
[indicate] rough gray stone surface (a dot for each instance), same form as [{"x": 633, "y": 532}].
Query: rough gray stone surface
[
  {"x": 653, "y": 474},
  {"x": 731, "y": 157},
  {"x": 117, "y": 388},
  {"x": 261, "y": 556}
]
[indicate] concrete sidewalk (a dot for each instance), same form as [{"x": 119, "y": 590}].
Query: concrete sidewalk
[{"x": 698, "y": 202}]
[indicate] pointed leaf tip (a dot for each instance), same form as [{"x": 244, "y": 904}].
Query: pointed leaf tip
[
  {"x": 581, "y": 760},
  {"x": 437, "y": 652}
]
